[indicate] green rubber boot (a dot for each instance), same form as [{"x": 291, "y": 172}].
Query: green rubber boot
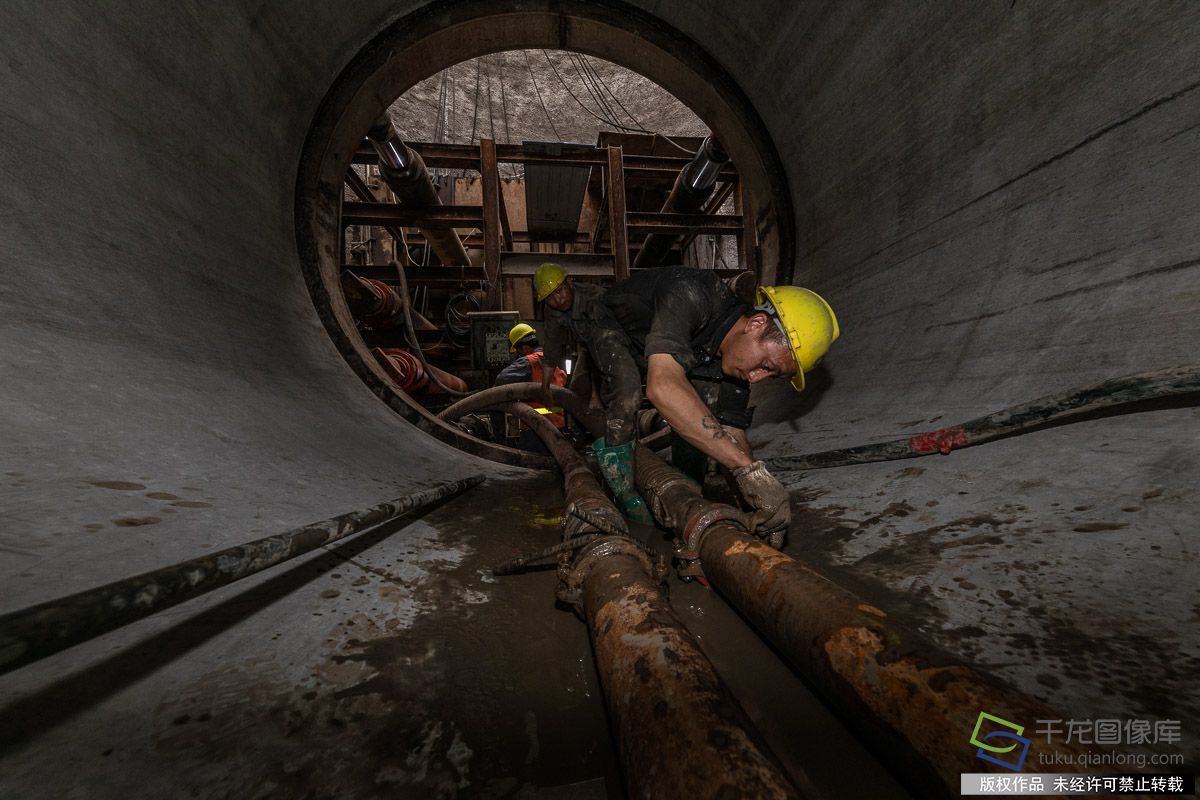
[{"x": 616, "y": 465}]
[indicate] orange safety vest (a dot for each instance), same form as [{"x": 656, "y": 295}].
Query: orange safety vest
[{"x": 554, "y": 413}]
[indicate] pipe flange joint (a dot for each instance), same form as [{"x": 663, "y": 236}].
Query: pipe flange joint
[
  {"x": 693, "y": 529},
  {"x": 656, "y": 492},
  {"x": 572, "y": 574}
]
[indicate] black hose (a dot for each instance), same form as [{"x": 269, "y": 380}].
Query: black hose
[
  {"x": 572, "y": 403},
  {"x": 457, "y": 325},
  {"x": 42, "y": 630},
  {"x": 1072, "y": 406}
]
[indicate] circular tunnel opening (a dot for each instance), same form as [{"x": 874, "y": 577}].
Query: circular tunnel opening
[{"x": 470, "y": 142}]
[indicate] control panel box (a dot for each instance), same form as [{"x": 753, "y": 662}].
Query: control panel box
[{"x": 489, "y": 338}]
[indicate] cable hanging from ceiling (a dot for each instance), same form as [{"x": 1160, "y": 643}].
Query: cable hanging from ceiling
[
  {"x": 586, "y": 61},
  {"x": 538, "y": 92},
  {"x": 610, "y": 122},
  {"x": 514, "y": 170}
]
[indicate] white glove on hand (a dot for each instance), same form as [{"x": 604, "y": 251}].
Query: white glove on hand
[{"x": 772, "y": 505}]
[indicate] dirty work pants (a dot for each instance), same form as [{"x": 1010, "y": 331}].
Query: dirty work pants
[{"x": 611, "y": 353}]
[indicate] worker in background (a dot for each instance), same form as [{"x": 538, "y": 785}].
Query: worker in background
[
  {"x": 700, "y": 348},
  {"x": 527, "y": 367},
  {"x": 565, "y": 312}
]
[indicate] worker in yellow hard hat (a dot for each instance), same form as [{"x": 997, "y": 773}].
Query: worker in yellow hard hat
[
  {"x": 528, "y": 367},
  {"x": 565, "y": 307},
  {"x": 521, "y": 335},
  {"x": 699, "y": 348}
]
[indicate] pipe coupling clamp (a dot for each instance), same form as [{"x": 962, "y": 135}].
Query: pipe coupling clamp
[
  {"x": 656, "y": 496},
  {"x": 573, "y": 572},
  {"x": 691, "y": 533}
]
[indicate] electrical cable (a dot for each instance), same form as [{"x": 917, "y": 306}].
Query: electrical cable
[
  {"x": 514, "y": 170},
  {"x": 439, "y": 127},
  {"x": 597, "y": 77},
  {"x": 491, "y": 116},
  {"x": 475, "y": 107},
  {"x": 533, "y": 80},
  {"x": 674, "y": 144},
  {"x": 404, "y": 244},
  {"x": 593, "y": 90},
  {"x": 474, "y": 112},
  {"x": 604, "y": 84},
  {"x": 452, "y": 111},
  {"x": 1071, "y": 406},
  {"x": 566, "y": 86},
  {"x": 458, "y": 326},
  {"x": 504, "y": 97}
]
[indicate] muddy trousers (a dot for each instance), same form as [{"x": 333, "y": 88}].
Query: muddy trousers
[{"x": 611, "y": 353}]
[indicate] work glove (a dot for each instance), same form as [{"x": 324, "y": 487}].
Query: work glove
[{"x": 772, "y": 506}]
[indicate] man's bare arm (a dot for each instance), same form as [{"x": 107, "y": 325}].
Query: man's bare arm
[{"x": 668, "y": 388}]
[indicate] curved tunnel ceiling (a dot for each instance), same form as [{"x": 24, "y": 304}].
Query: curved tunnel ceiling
[{"x": 999, "y": 202}]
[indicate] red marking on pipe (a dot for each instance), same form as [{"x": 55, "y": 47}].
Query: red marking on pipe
[{"x": 942, "y": 440}]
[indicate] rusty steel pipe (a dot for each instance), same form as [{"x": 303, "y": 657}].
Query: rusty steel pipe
[
  {"x": 42, "y": 630},
  {"x": 692, "y": 187},
  {"x": 580, "y": 486},
  {"x": 406, "y": 175},
  {"x": 573, "y": 404},
  {"x": 680, "y": 733},
  {"x": 916, "y": 704}
]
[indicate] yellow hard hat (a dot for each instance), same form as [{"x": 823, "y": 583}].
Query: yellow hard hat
[
  {"x": 518, "y": 332},
  {"x": 549, "y": 276},
  {"x": 808, "y": 321}
]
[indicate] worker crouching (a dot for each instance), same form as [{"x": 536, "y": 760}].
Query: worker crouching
[{"x": 700, "y": 349}]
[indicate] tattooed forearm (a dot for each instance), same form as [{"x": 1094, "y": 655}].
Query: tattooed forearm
[{"x": 718, "y": 431}]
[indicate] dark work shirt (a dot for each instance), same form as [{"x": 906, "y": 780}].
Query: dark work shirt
[
  {"x": 685, "y": 313},
  {"x": 519, "y": 371},
  {"x": 680, "y": 311}
]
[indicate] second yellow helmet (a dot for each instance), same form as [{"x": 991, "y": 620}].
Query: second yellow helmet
[
  {"x": 549, "y": 276},
  {"x": 518, "y": 332}
]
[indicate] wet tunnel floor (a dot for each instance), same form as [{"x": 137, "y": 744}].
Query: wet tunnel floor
[
  {"x": 391, "y": 665},
  {"x": 513, "y": 676},
  {"x": 497, "y": 685}
]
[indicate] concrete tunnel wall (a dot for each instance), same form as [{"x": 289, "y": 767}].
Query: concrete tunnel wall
[{"x": 999, "y": 201}]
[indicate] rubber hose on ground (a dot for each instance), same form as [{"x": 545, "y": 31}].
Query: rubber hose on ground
[{"x": 1072, "y": 406}]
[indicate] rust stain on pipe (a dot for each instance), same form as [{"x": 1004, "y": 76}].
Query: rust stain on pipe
[
  {"x": 888, "y": 681},
  {"x": 679, "y": 731},
  {"x": 916, "y": 703}
]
